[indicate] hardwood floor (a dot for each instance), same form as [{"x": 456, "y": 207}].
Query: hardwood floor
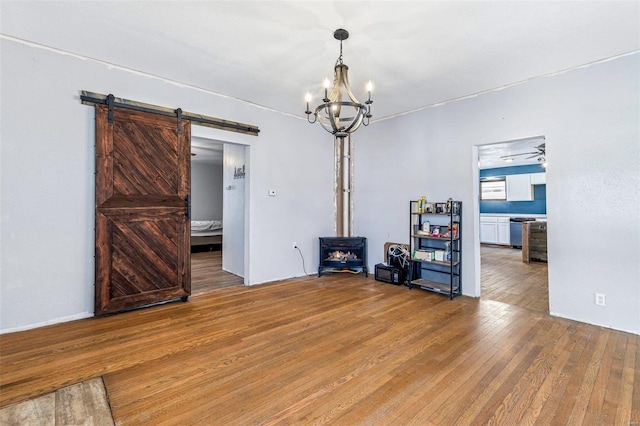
[
  {"x": 506, "y": 278},
  {"x": 339, "y": 349},
  {"x": 207, "y": 273}
]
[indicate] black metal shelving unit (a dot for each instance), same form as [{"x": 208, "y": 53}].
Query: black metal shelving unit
[{"x": 436, "y": 253}]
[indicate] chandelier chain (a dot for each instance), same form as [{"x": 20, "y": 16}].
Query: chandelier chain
[{"x": 339, "y": 61}]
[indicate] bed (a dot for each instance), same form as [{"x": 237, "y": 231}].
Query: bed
[{"x": 206, "y": 232}]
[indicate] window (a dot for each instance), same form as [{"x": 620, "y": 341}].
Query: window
[{"x": 494, "y": 189}]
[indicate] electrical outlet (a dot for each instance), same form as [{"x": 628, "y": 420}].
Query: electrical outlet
[
  {"x": 295, "y": 245},
  {"x": 601, "y": 299}
]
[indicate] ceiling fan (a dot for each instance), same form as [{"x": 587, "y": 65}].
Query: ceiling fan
[{"x": 540, "y": 153}]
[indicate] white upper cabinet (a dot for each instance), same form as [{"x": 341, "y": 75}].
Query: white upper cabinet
[
  {"x": 519, "y": 187},
  {"x": 538, "y": 178}
]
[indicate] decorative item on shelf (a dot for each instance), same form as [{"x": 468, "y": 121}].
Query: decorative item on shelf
[
  {"x": 340, "y": 113},
  {"x": 426, "y": 227},
  {"x": 439, "y": 255},
  {"x": 449, "y": 205},
  {"x": 447, "y": 251},
  {"x": 422, "y": 204},
  {"x": 456, "y": 208},
  {"x": 435, "y": 232},
  {"x": 424, "y": 254}
]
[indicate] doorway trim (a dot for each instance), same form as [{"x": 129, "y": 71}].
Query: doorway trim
[{"x": 475, "y": 184}]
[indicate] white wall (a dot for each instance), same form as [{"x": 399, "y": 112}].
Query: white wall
[
  {"x": 591, "y": 120},
  {"x": 206, "y": 191},
  {"x": 47, "y": 165}
]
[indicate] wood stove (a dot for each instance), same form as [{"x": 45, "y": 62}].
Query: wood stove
[{"x": 343, "y": 254}]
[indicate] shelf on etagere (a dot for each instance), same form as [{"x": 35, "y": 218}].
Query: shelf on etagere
[
  {"x": 429, "y": 237},
  {"x": 437, "y": 262},
  {"x": 434, "y": 286},
  {"x": 437, "y": 214}
]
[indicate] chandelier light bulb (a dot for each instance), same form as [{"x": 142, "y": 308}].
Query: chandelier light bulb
[
  {"x": 307, "y": 98},
  {"x": 326, "y": 85}
]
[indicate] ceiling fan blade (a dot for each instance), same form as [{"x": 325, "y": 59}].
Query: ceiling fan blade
[{"x": 516, "y": 155}]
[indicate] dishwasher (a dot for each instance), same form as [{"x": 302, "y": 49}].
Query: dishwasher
[{"x": 515, "y": 230}]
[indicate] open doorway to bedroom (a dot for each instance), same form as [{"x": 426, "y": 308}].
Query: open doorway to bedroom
[{"x": 214, "y": 246}]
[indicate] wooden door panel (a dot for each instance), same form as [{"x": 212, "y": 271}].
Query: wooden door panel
[
  {"x": 145, "y": 160},
  {"x": 142, "y": 231}
]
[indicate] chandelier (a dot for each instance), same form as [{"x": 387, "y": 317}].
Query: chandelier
[{"x": 340, "y": 113}]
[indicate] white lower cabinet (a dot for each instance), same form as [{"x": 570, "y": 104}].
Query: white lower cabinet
[
  {"x": 504, "y": 233},
  {"x": 494, "y": 230},
  {"x": 489, "y": 230}
]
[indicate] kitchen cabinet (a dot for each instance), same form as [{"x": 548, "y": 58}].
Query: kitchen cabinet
[
  {"x": 489, "y": 229},
  {"x": 504, "y": 234},
  {"x": 538, "y": 178},
  {"x": 519, "y": 187},
  {"x": 494, "y": 230}
]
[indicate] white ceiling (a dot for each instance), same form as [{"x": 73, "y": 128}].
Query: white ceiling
[
  {"x": 417, "y": 53},
  {"x": 517, "y": 153},
  {"x": 206, "y": 151}
]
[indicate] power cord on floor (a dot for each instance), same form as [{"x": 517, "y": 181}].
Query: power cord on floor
[{"x": 303, "y": 267}]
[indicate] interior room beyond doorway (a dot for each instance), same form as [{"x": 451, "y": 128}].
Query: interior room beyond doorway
[
  {"x": 207, "y": 231},
  {"x": 512, "y": 194}
]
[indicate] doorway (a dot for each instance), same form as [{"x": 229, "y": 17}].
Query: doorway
[
  {"x": 511, "y": 182},
  {"x": 216, "y": 238}
]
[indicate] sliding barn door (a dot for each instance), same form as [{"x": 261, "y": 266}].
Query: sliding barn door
[{"x": 143, "y": 167}]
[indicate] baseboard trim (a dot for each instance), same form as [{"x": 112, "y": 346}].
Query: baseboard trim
[{"x": 82, "y": 315}]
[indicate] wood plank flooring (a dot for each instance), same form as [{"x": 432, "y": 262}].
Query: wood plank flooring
[
  {"x": 506, "y": 278},
  {"x": 207, "y": 273},
  {"x": 339, "y": 349}
]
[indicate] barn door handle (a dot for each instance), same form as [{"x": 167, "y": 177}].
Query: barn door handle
[{"x": 187, "y": 206}]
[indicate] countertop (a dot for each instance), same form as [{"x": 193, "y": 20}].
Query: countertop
[{"x": 541, "y": 217}]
